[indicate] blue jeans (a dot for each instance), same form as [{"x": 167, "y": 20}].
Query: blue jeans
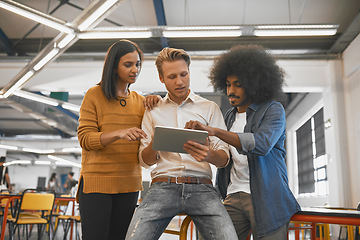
[{"x": 163, "y": 201}]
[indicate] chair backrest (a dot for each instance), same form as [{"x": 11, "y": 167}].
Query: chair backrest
[
  {"x": 37, "y": 201},
  {"x": 4, "y": 200},
  {"x": 60, "y": 203}
]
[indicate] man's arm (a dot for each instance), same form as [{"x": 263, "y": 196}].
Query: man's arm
[
  {"x": 7, "y": 179},
  {"x": 148, "y": 155},
  {"x": 226, "y": 136}
]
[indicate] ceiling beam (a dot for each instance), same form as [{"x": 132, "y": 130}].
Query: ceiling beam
[
  {"x": 347, "y": 37},
  {"x": 161, "y": 19},
  {"x": 5, "y": 44}
]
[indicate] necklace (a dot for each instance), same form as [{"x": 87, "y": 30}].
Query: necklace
[{"x": 122, "y": 102}]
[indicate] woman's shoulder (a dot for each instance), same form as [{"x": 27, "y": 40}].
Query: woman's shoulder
[
  {"x": 95, "y": 93},
  {"x": 134, "y": 94},
  {"x": 94, "y": 90}
]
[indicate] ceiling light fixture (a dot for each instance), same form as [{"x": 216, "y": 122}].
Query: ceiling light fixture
[
  {"x": 42, "y": 162},
  {"x": 35, "y": 15},
  {"x": 189, "y": 34},
  {"x": 39, "y": 151},
  {"x": 66, "y": 40},
  {"x": 23, "y": 162},
  {"x": 71, "y": 107},
  {"x": 36, "y": 97},
  {"x": 20, "y": 82},
  {"x": 202, "y": 31},
  {"x": 46, "y": 59},
  {"x": 96, "y": 14},
  {"x": 8, "y": 147},
  {"x": 112, "y": 34},
  {"x": 61, "y": 160},
  {"x": 73, "y": 150},
  {"x": 295, "y": 30}
]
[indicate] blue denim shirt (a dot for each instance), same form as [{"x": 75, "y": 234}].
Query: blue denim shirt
[{"x": 263, "y": 143}]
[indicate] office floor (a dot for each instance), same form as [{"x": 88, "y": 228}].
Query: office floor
[{"x": 174, "y": 225}]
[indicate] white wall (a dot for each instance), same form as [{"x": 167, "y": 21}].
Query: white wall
[
  {"x": 340, "y": 99},
  {"x": 351, "y": 80},
  {"x": 26, "y": 176}
]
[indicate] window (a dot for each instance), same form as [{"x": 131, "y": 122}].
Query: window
[{"x": 312, "y": 161}]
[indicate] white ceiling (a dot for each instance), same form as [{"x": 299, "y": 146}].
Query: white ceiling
[{"x": 83, "y": 60}]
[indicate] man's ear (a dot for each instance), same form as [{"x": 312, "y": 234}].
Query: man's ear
[{"x": 161, "y": 78}]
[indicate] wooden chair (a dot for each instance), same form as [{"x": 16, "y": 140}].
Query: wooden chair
[{"x": 182, "y": 233}]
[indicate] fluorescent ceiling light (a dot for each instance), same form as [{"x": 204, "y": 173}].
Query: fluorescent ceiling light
[
  {"x": 35, "y": 15},
  {"x": 36, "y": 97},
  {"x": 303, "y": 32},
  {"x": 66, "y": 40},
  {"x": 111, "y": 35},
  {"x": 96, "y": 14},
  {"x": 202, "y": 33},
  {"x": 33, "y": 150},
  {"x": 71, "y": 107},
  {"x": 20, "y": 82},
  {"x": 43, "y": 162},
  {"x": 24, "y": 162},
  {"x": 298, "y": 26},
  {"x": 46, "y": 59},
  {"x": 63, "y": 161},
  {"x": 296, "y": 30},
  {"x": 73, "y": 149},
  {"x": 8, "y": 147}
]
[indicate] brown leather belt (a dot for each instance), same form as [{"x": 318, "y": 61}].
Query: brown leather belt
[{"x": 179, "y": 180}]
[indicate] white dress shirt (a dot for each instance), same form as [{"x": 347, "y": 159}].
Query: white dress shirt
[{"x": 169, "y": 113}]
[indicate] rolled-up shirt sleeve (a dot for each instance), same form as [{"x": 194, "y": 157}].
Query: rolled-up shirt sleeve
[
  {"x": 148, "y": 128},
  {"x": 247, "y": 141}
]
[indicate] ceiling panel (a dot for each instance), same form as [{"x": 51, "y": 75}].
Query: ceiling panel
[{"x": 89, "y": 54}]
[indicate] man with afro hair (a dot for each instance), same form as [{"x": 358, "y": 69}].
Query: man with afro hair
[{"x": 254, "y": 185}]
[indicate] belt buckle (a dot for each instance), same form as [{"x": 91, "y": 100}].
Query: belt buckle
[{"x": 176, "y": 180}]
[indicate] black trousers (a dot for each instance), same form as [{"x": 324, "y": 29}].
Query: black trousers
[{"x": 106, "y": 216}]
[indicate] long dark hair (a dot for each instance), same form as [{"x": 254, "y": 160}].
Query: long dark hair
[
  {"x": 53, "y": 177},
  {"x": 112, "y": 59}
]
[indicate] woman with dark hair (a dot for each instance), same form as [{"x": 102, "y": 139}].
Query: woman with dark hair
[
  {"x": 254, "y": 185},
  {"x": 109, "y": 133},
  {"x": 53, "y": 183}
]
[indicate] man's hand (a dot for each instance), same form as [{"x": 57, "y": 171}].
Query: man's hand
[
  {"x": 199, "y": 126},
  {"x": 150, "y": 101},
  {"x": 198, "y": 151}
]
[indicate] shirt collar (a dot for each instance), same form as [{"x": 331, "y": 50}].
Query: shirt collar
[
  {"x": 190, "y": 97},
  {"x": 254, "y": 106}
]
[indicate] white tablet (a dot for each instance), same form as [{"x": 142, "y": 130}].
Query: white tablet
[{"x": 171, "y": 139}]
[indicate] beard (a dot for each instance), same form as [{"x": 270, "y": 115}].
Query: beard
[{"x": 244, "y": 102}]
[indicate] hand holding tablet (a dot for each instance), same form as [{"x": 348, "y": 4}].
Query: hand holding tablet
[{"x": 171, "y": 139}]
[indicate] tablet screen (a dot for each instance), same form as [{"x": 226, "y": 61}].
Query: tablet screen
[{"x": 171, "y": 139}]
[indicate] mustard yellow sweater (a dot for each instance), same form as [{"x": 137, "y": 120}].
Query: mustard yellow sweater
[{"x": 114, "y": 168}]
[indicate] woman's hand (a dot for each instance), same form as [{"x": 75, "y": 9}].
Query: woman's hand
[
  {"x": 150, "y": 101},
  {"x": 131, "y": 134},
  {"x": 199, "y": 126}
]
